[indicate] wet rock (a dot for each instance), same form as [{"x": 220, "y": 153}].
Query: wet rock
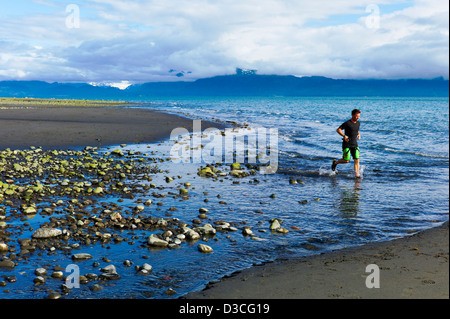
[
  {"x": 81, "y": 256},
  {"x": 7, "y": 263},
  {"x": 235, "y": 166},
  {"x": 191, "y": 234},
  {"x": 96, "y": 287},
  {"x": 109, "y": 273},
  {"x": 39, "y": 280},
  {"x": 207, "y": 229},
  {"x": 40, "y": 271},
  {"x": 204, "y": 248},
  {"x": 145, "y": 269},
  {"x": 43, "y": 233},
  {"x": 3, "y": 247},
  {"x": 54, "y": 295},
  {"x": 153, "y": 240},
  {"x": 206, "y": 172},
  {"x": 274, "y": 224}
]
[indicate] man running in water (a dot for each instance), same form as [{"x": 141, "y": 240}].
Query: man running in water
[{"x": 350, "y": 132}]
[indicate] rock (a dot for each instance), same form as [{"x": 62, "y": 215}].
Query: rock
[
  {"x": 183, "y": 191},
  {"x": 192, "y": 234},
  {"x": 204, "y": 248},
  {"x": 39, "y": 280},
  {"x": 43, "y": 233},
  {"x": 139, "y": 208},
  {"x": 7, "y": 263},
  {"x": 117, "y": 152},
  {"x": 274, "y": 224},
  {"x": 206, "y": 172},
  {"x": 156, "y": 242},
  {"x": 282, "y": 230},
  {"x": 81, "y": 256},
  {"x": 203, "y": 211},
  {"x": 247, "y": 232},
  {"x": 98, "y": 190},
  {"x": 116, "y": 217},
  {"x": 235, "y": 166},
  {"x": 40, "y": 271},
  {"x": 54, "y": 295},
  {"x": 169, "y": 179},
  {"x": 110, "y": 269},
  {"x": 109, "y": 273},
  {"x": 3, "y": 247},
  {"x": 30, "y": 210},
  {"x": 145, "y": 269},
  {"x": 148, "y": 202},
  {"x": 57, "y": 274},
  {"x": 110, "y": 276},
  {"x": 207, "y": 229},
  {"x": 96, "y": 287},
  {"x": 238, "y": 173}
]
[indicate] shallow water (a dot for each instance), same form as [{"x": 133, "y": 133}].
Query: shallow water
[{"x": 403, "y": 189}]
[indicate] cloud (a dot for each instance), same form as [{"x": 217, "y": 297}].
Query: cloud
[{"x": 142, "y": 40}]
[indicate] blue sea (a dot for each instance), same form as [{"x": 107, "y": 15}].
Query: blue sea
[{"x": 404, "y": 189}]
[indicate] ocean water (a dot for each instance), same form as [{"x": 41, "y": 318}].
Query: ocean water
[{"x": 404, "y": 189}]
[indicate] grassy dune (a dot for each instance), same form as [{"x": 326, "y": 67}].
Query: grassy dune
[{"x": 20, "y": 102}]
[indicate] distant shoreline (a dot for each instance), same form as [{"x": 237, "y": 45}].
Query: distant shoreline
[{"x": 80, "y": 123}]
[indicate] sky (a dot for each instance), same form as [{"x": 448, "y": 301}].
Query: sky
[{"x": 116, "y": 41}]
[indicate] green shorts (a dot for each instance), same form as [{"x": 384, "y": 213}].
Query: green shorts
[{"x": 353, "y": 151}]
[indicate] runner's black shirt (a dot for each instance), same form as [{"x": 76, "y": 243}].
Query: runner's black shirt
[{"x": 351, "y": 130}]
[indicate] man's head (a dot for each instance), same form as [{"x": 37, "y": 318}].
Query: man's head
[{"x": 356, "y": 115}]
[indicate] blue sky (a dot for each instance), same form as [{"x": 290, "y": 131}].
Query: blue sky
[{"x": 142, "y": 40}]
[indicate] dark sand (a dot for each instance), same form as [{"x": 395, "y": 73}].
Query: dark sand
[
  {"x": 60, "y": 127},
  {"x": 412, "y": 267}
]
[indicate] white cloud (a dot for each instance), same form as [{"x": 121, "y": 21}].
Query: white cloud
[{"x": 142, "y": 40}]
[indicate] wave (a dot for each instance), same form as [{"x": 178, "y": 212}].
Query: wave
[{"x": 387, "y": 149}]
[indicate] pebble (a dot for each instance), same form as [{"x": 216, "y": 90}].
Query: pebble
[
  {"x": 40, "y": 271},
  {"x": 204, "y": 248},
  {"x": 96, "y": 287},
  {"x": 3, "y": 247},
  {"x": 39, "y": 280},
  {"x": 54, "y": 295},
  {"x": 81, "y": 256}
]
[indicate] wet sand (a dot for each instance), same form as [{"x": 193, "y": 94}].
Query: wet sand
[
  {"x": 414, "y": 267},
  {"x": 62, "y": 127}
]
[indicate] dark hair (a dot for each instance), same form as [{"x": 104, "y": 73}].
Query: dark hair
[{"x": 356, "y": 111}]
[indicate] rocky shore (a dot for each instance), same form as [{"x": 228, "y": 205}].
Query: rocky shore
[{"x": 59, "y": 202}]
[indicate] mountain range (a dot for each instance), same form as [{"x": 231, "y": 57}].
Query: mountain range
[{"x": 233, "y": 85}]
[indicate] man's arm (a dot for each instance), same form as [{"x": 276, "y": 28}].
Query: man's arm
[{"x": 341, "y": 133}]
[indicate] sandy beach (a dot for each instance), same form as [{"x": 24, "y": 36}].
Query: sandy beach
[
  {"x": 414, "y": 267},
  {"x": 60, "y": 127}
]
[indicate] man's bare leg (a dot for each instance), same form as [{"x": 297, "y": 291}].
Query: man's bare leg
[{"x": 356, "y": 167}]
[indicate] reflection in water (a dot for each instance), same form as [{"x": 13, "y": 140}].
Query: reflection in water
[{"x": 348, "y": 204}]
